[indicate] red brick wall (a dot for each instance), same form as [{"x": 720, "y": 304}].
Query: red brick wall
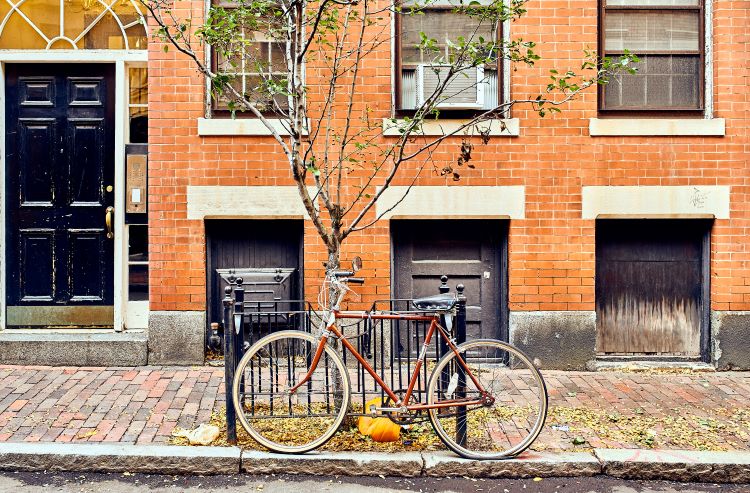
[{"x": 551, "y": 250}]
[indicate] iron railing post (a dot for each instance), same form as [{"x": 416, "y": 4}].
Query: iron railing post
[
  {"x": 443, "y": 346},
  {"x": 229, "y": 366},
  {"x": 239, "y": 317},
  {"x": 461, "y": 388}
]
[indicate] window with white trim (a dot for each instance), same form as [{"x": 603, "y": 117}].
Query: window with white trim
[
  {"x": 253, "y": 63},
  {"x": 668, "y": 37},
  {"x": 420, "y": 71}
]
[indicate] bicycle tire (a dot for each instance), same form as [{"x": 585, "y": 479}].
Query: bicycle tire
[
  {"x": 259, "y": 371},
  {"x": 518, "y": 416}
]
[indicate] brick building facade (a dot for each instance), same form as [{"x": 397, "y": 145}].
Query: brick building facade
[
  {"x": 555, "y": 227},
  {"x": 582, "y": 191}
]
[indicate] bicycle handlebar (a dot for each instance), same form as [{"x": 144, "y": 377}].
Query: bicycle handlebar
[
  {"x": 342, "y": 273},
  {"x": 356, "y": 280}
]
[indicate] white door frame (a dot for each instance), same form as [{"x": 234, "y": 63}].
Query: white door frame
[{"x": 120, "y": 58}]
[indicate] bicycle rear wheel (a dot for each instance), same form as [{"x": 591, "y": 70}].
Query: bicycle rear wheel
[
  {"x": 513, "y": 413},
  {"x": 276, "y": 419}
]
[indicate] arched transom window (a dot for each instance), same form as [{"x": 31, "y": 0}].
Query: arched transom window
[{"x": 72, "y": 24}]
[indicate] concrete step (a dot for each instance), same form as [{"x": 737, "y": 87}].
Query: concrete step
[{"x": 69, "y": 347}]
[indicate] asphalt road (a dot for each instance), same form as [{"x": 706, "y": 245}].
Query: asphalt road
[{"x": 131, "y": 483}]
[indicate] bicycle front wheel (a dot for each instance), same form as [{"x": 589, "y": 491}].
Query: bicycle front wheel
[
  {"x": 287, "y": 422},
  {"x": 514, "y": 407}
]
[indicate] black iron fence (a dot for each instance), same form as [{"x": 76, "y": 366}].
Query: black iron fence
[{"x": 391, "y": 347}]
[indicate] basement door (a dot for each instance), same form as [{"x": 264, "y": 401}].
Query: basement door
[
  {"x": 652, "y": 287},
  {"x": 59, "y": 194},
  {"x": 470, "y": 252},
  {"x": 266, "y": 254}
]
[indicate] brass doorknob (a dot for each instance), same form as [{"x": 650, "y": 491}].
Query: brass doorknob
[{"x": 108, "y": 220}]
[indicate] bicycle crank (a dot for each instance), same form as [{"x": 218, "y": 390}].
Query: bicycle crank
[{"x": 400, "y": 415}]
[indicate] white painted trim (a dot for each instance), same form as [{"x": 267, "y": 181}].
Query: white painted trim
[
  {"x": 442, "y": 202},
  {"x": 698, "y": 201},
  {"x": 121, "y": 246},
  {"x": 506, "y": 68},
  {"x": 714, "y": 127},
  {"x": 119, "y": 57},
  {"x": 436, "y": 128},
  {"x": 708, "y": 60},
  {"x": 76, "y": 56},
  {"x": 2, "y": 202},
  {"x": 261, "y": 202},
  {"x": 239, "y": 126},
  {"x": 137, "y": 315}
]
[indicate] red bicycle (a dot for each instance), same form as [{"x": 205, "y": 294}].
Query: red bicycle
[{"x": 485, "y": 398}]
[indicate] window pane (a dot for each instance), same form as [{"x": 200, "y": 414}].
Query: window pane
[
  {"x": 440, "y": 25},
  {"x": 19, "y": 34},
  {"x": 138, "y": 125},
  {"x": 138, "y": 282},
  {"x": 668, "y": 82},
  {"x": 657, "y": 31},
  {"x": 138, "y": 86},
  {"x": 409, "y": 89},
  {"x": 654, "y": 3},
  {"x": 138, "y": 243}
]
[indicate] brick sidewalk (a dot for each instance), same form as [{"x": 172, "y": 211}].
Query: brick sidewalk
[{"x": 605, "y": 409}]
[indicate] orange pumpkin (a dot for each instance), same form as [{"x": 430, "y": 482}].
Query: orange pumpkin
[
  {"x": 384, "y": 430},
  {"x": 364, "y": 422}
]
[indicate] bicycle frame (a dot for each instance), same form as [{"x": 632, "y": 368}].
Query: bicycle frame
[{"x": 402, "y": 405}]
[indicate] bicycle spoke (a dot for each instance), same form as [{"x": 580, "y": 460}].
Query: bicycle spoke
[
  {"x": 511, "y": 417},
  {"x": 274, "y": 416}
]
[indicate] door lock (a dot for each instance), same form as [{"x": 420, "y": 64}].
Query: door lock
[{"x": 108, "y": 221}]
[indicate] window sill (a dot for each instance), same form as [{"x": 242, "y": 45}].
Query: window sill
[
  {"x": 600, "y": 127},
  {"x": 208, "y": 127},
  {"x": 437, "y": 128}
]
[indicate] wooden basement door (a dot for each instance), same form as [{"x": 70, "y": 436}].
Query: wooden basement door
[
  {"x": 651, "y": 286},
  {"x": 238, "y": 245},
  {"x": 470, "y": 252}
]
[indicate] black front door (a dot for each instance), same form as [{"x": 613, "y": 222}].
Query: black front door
[{"x": 59, "y": 186}]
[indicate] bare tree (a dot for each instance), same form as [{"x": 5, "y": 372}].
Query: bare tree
[{"x": 307, "y": 58}]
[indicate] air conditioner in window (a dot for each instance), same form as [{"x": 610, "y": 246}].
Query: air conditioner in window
[{"x": 466, "y": 89}]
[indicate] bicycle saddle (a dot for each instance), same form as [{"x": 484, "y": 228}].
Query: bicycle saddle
[{"x": 438, "y": 302}]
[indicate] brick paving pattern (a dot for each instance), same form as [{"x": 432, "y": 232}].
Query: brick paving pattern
[{"x": 144, "y": 405}]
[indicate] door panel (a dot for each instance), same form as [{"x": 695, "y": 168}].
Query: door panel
[
  {"x": 59, "y": 162},
  {"x": 37, "y": 149},
  {"x": 469, "y": 252},
  {"x": 37, "y": 265},
  {"x": 649, "y": 286},
  {"x": 85, "y": 265},
  {"x": 87, "y": 152}
]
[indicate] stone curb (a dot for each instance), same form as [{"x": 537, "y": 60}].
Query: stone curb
[
  {"x": 409, "y": 464},
  {"x": 151, "y": 459},
  {"x": 528, "y": 465},
  {"x": 674, "y": 465}
]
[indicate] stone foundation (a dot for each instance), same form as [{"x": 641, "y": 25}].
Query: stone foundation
[
  {"x": 176, "y": 337},
  {"x": 730, "y": 340},
  {"x": 560, "y": 340}
]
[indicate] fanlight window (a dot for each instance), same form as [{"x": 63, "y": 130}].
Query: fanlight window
[{"x": 72, "y": 24}]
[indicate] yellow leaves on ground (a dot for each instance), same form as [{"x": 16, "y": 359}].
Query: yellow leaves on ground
[{"x": 693, "y": 429}]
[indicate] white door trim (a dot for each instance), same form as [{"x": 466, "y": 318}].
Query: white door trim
[{"x": 119, "y": 58}]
